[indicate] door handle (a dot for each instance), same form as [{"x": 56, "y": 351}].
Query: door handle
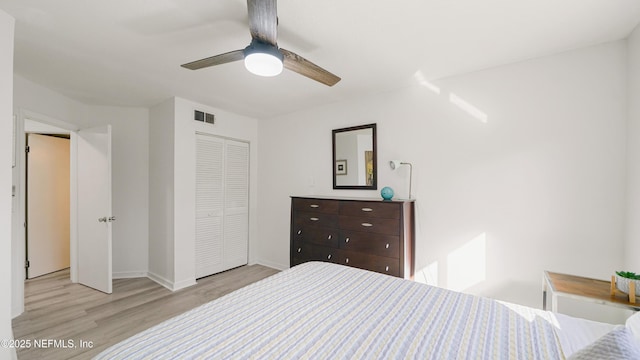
[
  {"x": 102, "y": 219},
  {"x": 111, "y": 218}
]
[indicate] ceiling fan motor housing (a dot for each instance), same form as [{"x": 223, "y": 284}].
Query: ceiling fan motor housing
[{"x": 258, "y": 46}]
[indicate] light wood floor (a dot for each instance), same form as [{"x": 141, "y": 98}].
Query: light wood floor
[{"x": 57, "y": 309}]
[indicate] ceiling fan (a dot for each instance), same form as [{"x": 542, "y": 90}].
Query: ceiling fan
[{"x": 263, "y": 56}]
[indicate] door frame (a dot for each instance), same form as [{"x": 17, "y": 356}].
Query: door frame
[{"x": 19, "y": 215}]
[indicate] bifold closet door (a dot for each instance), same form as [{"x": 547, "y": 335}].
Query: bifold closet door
[
  {"x": 222, "y": 204},
  {"x": 236, "y": 204}
]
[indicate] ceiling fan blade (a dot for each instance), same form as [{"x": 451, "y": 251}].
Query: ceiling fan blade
[
  {"x": 215, "y": 60},
  {"x": 263, "y": 20},
  {"x": 302, "y": 66}
]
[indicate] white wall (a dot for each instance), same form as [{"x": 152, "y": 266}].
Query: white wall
[
  {"x": 175, "y": 254},
  {"x": 632, "y": 246},
  {"x": 33, "y": 97},
  {"x": 540, "y": 184},
  {"x": 161, "y": 192},
  {"x": 7, "y": 24}
]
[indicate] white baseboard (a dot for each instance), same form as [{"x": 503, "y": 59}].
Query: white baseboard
[
  {"x": 173, "y": 286},
  {"x": 129, "y": 274},
  {"x": 17, "y": 310},
  {"x": 160, "y": 280},
  {"x": 183, "y": 284},
  {"x": 271, "y": 264}
]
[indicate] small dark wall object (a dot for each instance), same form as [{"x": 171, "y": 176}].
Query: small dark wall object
[
  {"x": 198, "y": 115},
  {"x": 204, "y": 117}
]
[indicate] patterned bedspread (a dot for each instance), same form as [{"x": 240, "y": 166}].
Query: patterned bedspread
[{"x": 327, "y": 311}]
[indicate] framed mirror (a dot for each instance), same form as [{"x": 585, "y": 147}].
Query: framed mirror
[{"x": 355, "y": 158}]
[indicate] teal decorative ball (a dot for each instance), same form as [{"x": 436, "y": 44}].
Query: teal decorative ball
[{"x": 387, "y": 193}]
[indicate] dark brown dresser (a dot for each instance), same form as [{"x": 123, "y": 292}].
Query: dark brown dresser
[{"x": 369, "y": 234}]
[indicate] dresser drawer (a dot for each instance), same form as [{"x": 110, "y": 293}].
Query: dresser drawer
[
  {"x": 370, "y": 225},
  {"x": 315, "y": 206},
  {"x": 370, "y": 243},
  {"x": 317, "y": 235},
  {"x": 370, "y": 209},
  {"x": 313, "y": 220},
  {"x": 384, "y": 265},
  {"x": 303, "y": 252}
]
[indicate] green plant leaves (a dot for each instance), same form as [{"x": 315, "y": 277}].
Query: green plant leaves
[{"x": 628, "y": 275}]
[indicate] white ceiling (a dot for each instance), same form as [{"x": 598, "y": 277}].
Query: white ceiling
[{"x": 128, "y": 52}]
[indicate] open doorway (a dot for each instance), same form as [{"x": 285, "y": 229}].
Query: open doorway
[
  {"x": 47, "y": 215},
  {"x": 90, "y": 214}
]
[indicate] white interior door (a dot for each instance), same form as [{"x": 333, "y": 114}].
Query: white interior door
[
  {"x": 48, "y": 231},
  {"x": 95, "y": 217}
]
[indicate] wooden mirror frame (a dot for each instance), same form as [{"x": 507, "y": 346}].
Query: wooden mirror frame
[{"x": 334, "y": 165}]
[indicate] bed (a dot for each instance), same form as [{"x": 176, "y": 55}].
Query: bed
[{"x": 328, "y": 311}]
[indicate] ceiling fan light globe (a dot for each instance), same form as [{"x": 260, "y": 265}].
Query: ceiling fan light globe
[{"x": 263, "y": 64}]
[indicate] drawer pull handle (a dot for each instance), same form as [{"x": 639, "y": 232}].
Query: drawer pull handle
[
  {"x": 386, "y": 269},
  {"x": 315, "y": 206},
  {"x": 346, "y": 261},
  {"x": 314, "y": 219},
  {"x": 367, "y": 209},
  {"x": 367, "y": 224},
  {"x": 329, "y": 257},
  {"x": 299, "y": 249},
  {"x": 299, "y": 232},
  {"x": 386, "y": 246},
  {"x": 329, "y": 237},
  {"x": 346, "y": 240}
]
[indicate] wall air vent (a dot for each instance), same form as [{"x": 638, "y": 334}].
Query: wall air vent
[{"x": 204, "y": 117}]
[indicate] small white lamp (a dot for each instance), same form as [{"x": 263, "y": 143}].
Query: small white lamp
[{"x": 394, "y": 164}]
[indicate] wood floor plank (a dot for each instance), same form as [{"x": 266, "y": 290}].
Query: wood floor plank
[{"x": 60, "y": 310}]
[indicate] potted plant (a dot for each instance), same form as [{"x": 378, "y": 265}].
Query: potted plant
[{"x": 624, "y": 278}]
